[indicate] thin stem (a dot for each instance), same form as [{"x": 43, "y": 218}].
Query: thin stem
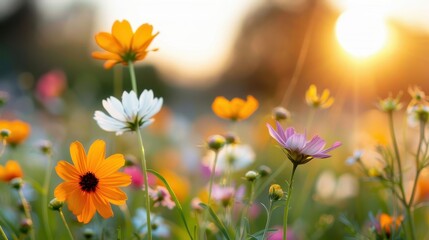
[
  {"x": 146, "y": 184},
  {"x": 27, "y": 211},
  {"x": 65, "y": 224},
  {"x": 418, "y": 168},
  {"x": 289, "y": 196},
  {"x": 2, "y": 234},
  {"x": 45, "y": 197},
  {"x": 3, "y": 149},
  {"x": 268, "y": 181},
  {"x": 410, "y": 223},
  {"x": 133, "y": 76},
  {"x": 246, "y": 209},
  {"x": 398, "y": 157},
  {"x": 267, "y": 224}
]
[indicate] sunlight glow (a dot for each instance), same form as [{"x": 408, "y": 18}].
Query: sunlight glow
[{"x": 361, "y": 33}]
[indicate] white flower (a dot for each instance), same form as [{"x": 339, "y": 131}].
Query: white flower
[
  {"x": 133, "y": 112},
  {"x": 159, "y": 227},
  {"x": 355, "y": 158},
  {"x": 236, "y": 157}
]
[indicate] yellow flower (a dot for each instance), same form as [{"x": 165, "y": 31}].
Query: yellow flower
[
  {"x": 92, "y": 182},
  {"x": 236, "y": 109},
  {"x": 19, "y": 130},
  {"x": 123, "y": 45},
  {"x": 11, "y": 170},
  {"x": 313, "y": 100}
]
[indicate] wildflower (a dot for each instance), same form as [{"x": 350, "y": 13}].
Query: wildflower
[
  {"x": 223, "y": 194},
  {"x": 129, "y": 115},
  {"x": 195, "y": 205},
  {"x": 251, "y": 176},
  {"x": 19, "y": 131},
  {"x": 10, "y": 170},
  {"x": 136, "y": 174},
  {"x": 92, "y": 182},
  {"x": 216, "y": 142},
  {"x": 161, "y": 196},
  {"x": 355, "y": 158},
  {"x": 234, "y": 157},
  {"x": 298, "y": 149},
  {"x": 237, "y": 109},
  {"x": 390, "y": 104},
  {"x": 417, "y": 96},
  {"x": 25, "y": 226},
  {"x": 281, "y": 113},
  {"x": 45, "y": 146},
  {"x": 313, "y": 100},
  {"x": 88, "y": 233},
  {"x": 55, "y": 205},
  {"x": 264, "y": 170},
  {"x": 159, "y": 227},
  {"x": 418, "y": 113},
  {"x": 231, "y": 138},
  {"x": 386, "y": 223},
  {"x": 275, "y": 192},
  {"x": 278, "y": 234},
  {"x": 123, "y": 45},
  {"x": 51, "y": 85}
]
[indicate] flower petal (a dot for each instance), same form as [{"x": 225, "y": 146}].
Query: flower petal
[
  {"x": 221, "y": 107},
  {"x": 108, "y": 43},
  {"x": 123, "y": 33},
  {"x": 88, "y": 210},
  {"x": 63, "y": 190},
  {"x": 296, "y": 142},
  {"x": 117, "y": 179},
  {"x": 141, "y": 36},
  {"x": 106, "y": 56},
  {"x": 78, "y": 156},
  {"x": 114, "y": 195},
  {"x": 249, "y": 107},
  {"x": 276, "y": 136},
  {"x": 67, "y": 172},
  {"x": 96, "y": 154},
  {"x": 114, "y": 107},
  {"x": 110, "y": 165},
  {"x": 314, "y": 146},
  {"x": 103, "y": 207}
]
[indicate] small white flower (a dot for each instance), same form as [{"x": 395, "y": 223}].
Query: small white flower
[
  {"x": 133, "y": 112},
  {"x": 159, "y": 227},
  {"x": 236, "y": 157},
  {"x": 355, "y": 158}
]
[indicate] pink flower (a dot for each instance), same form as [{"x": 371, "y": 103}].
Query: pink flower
[
  {"x": 51, "y": 85},
  {"x": 298, "y": 149},
  {"x": 278, "y": 235},
  {"x": 161, "y": 196},
  {"x": 137, "y": 179},
  {"x": 224, "y": 195}
]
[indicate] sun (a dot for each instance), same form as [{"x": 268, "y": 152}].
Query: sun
[{"x": 361, "y": 33}]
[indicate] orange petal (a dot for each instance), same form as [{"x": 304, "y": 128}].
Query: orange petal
[
  {"x": 248, "y": 108},
  {"x": 113, "y": 195},
  {"x": 123, "y": 33},
  {"x": 236, "y": 105},
  {"x": 109, "y": 43},
  {"x": 110, "y": 63},
  {"x": 96, "y": 154},
  {"x": 76, "y": 201},
  {"x": 63, "y": 190},
  {"x": 142, "y": 35},
  {"x": 141, "y": 56},
  {"x": 106, "y": 56},
  {"x": 221, "y": 107},
  {"x": 88, "y": 210},
  {"x": 66, "y": 171},
  {"x": 145, "y": 45},
  {"x": 102, "y": 206},
  {"x": 110, "y": 166},
  {"x": 117, "y": 179},
  {"x": 78, "y": 156}
]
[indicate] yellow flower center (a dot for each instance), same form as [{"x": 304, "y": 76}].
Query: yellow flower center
[{"x": 88, "y": 182}]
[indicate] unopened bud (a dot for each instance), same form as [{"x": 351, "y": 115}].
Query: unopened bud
[
  {"x": 130, "y": 160},
  {"x": 25, "y": 226},
  {"x": 4, "y": 133},
  {"x": 215, "y": 142},
  {"x": 275, "y": 192},
  {"x": 374, "y": 172},
  {"x": 264, "y": 171},
  {"x": 55, "y": 204},
  {"x": 281, "y": 113},
  {"x": 88, "y": 233},
  {"x": 231, "y": 138},
  {"x": 251, "y": 176},
  {"x": 45, "y": 147},
  {"x": 17, "y": 183}
]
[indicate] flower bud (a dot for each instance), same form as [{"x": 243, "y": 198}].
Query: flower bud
[
  {"x": 216, "y": 142},
  {"x": 264, "y": 170},
  {"x": 390, "y": 104},
  {"x": 88, "y": 233},
  {"x": 25, "y": 226},
  {"x": 251, "y": 176},
  {"x": 275, "y": 192},
  {"x": 281, "y": 113},
  {"x": 55, "y": 204},
  {"x": 374, "y": 172},
  {"x": 130, "y": 160},
  {"x": 45, "y": 147},
  {"x": 231, "y": 138},
  {"x": 4, "y": 97},
  {"x": 17, "y": 183},
  {"x": 4, "y": 133}
]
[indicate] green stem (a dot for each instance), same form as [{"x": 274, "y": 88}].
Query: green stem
[
  {"x": 27, "y": 212},
  {"x": 133, "y": 76},
  {"x": 246, "y": 209},
  {"x": 65, "y": 224},
  {"x": 418, "y": 168},
  {"x": 398, "y": 157},
  {"x": 2, "y": 234},
  {"x": 212, "y": 175},
  {"x": 146, "y": 184},
  {"x": 3, "y": 149},
  {"x": 289, "y": 196},
  {"x": 267, "y": 224},
  {"x": 410, "y": 223},
  {"x": 45, "y": 197}
]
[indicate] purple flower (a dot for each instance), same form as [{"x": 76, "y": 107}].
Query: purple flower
[{"x": 298, "y": 149}]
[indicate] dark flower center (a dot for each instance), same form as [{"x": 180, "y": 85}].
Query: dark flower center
[{"x": 88, "y": 182}]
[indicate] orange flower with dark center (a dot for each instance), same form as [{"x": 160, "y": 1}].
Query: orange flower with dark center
[
  {"x": 388, "y": 222},
  {"x": 236, "y": 109},
  {"x": 123, "y": 45},
  {"x": 92, "y": 182},
  {"x": 10, "y": 170},
  {"x": 19, "y": 131}
]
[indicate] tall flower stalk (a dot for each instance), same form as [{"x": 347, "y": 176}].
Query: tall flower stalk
[{"x": 289, "y": 197}]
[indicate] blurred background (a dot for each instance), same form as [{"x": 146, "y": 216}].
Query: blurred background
[{"x": 274, "y": 49}]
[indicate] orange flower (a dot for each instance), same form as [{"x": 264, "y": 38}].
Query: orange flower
[
  {"x": 11, "y": 170},
  {"x": 422, "y": 188},
  {"x": 93, "y": 182},
  {"x": 386, "y": 222},
  {"x": 124, "y": 45},
  {"x": 236, "y": 109},
  {"x": 19, "y": 131}
]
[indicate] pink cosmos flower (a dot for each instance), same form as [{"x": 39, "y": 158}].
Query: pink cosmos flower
[
  {"x": 161, "y": 196},
  {"x": 298, "y": 149},
  {"x": 51, "y": 85},
  {"x": 137, "y": 179},
  {"x": 223, "y": 194}
]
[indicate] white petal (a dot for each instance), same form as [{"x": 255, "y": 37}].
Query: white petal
[
  {"x": 108, "y": 123},
  {"x": 114, "y": 107}
]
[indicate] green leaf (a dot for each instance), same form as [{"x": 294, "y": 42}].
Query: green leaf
[
  {"x": 173, "y": 195},
  {"x": 217, "y": 221},
  {"x": 258, "y": 235}
]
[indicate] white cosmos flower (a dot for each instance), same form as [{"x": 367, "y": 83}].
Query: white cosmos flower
[
  {"x": 236, "y": 157},
  {"x": 129, "y": 114}
]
